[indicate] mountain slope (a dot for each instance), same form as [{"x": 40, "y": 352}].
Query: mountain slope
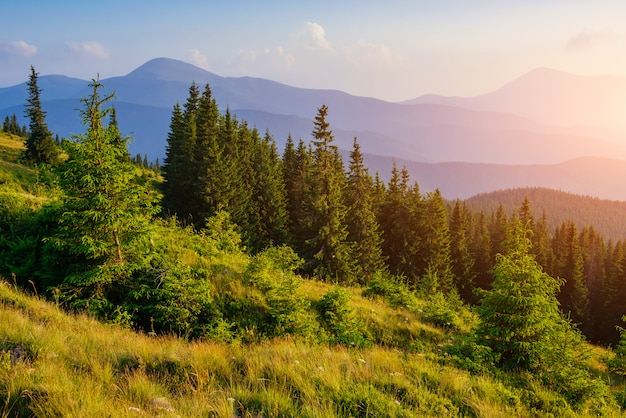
[{"x": 553, "y": 97}]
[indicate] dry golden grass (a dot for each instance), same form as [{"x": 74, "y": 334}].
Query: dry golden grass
[{"x": 77, "y": 366}]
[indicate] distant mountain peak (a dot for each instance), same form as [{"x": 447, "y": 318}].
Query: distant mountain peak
[{"x": 169, "y": 69}]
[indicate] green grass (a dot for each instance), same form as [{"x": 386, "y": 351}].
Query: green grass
[{"x": 77, "y": 366}]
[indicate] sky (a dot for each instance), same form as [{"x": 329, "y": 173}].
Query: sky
[{"x": 393, "y": 50}]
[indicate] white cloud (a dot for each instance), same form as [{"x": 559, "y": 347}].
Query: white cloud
[
  {"x": 17, "y": 48},
  {"x": 589, "y": 39},
  {"x": 89, "y": 49},
  {"x": 312, "y": 35},
  {"x": 265, "y": 61},
  {"x": 372, "y": 54},
  {"x": 197, "y": 58}
]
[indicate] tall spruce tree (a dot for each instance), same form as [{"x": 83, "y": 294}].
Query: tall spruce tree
[
  {"x": 332, "y": 254},
  {"x": 208, "y": 195},
  {"x": 436, "y": 242},
  {"x": 574, "y": 296},
  {"x": 363, "y": 229},
  {"x": 460, "y": 254},
  {"x": 297, "y": 173},
  {"x": 269, "y": 197},
  {"x": 481, "y": 253},
  {"x": 178, "y": 174},
  {"x": 40, "y": 145},
  {"x": 594, "y": 255}
]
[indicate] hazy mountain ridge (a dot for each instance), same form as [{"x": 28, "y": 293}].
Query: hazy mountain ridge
[
  {"x": 419, "y": 132},
  {"x": 552, "y": 97},
  {"x": 593, "y": 176}
]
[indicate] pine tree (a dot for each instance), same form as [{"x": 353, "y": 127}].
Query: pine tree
[
  {"x": 332, "y": 257},
  {"x": 393, "y": 218},
  {"x": 436, "y": 248},
  {"x": 415, "y": 264},
  {"x": 542, "y": 248},
  {"x": 573, "y": 295},
  {"x": 208, "y": 194},
  {"x": 520, "y": 313},
  {"x": 498, "y": 230},
  {"x": 178, "y": 185},
  {"x": 40, "y": 146},
  {"x": 363, "y": 229},
  {"x": 269, "y": 197},
  {"x": 297, "y": 173},
  {"x": 594, "y": 255},
  {"x": 526, "y": 215},
  {"x": 104, "y": 209},
  {"x": 461, "y": 257},
  {"x": 481, "y": 253}
]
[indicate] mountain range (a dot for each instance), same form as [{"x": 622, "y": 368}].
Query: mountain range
[{"x": 545, "y": 129}]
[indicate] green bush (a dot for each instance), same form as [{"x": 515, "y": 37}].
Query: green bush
[
  {"x": 272, "y": 272},
  {"x": 444, "y": 310},
  {"x": 339, "y": 319},
  {"x": 393, "y": 289}
]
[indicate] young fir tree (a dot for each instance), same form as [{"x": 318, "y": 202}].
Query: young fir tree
[
  {"x": 363, "y": 229},
  {"x": 40, "y": 146},
  {"x": 520, "y": 314},
  {"x": 104, "y": 208},
  {"x": 332, "y": 257}
]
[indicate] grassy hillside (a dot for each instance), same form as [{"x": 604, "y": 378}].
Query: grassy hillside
[
  {"x": 608, "y": 217},
  {"x": 55, "y": 364},
  {"x": 272, "y": 343}
]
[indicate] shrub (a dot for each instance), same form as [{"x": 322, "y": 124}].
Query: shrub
[
  {"x": 272, "y": 272},
  {"x": 395, "y": 292},
  {"x": 339, "y": 319},
  {"x": 444, "y": 310}
]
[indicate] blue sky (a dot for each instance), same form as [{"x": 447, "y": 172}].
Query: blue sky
[{"x": 394, "y": 49}]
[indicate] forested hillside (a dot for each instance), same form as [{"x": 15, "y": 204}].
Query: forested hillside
[
  {"x": 235, "y": 242},
  {"x": 606, "y": 216}
]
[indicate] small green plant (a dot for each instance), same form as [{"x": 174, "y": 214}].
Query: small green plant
[
  {"x": 272, "y": 272},
  {"x": 339, "y": 319},
  {"x": 443, "y": 310},
  {"x": 393, "y": 289}
]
